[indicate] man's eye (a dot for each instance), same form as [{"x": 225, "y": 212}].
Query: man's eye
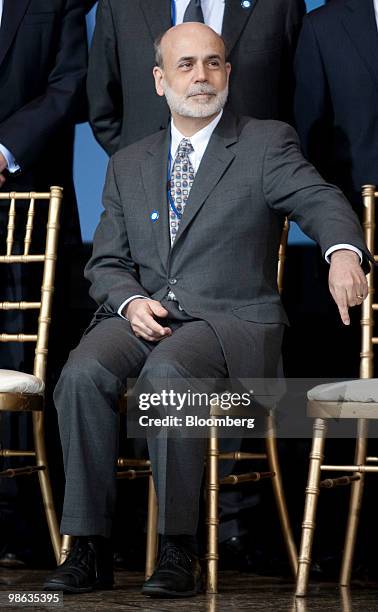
[
  {"x": 185, "y": 65},
  {"x": 214, "y": 63}
]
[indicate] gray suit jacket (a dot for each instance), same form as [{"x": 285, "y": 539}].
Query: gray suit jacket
[
  {"x": 123, "y": 105},
  {"x": 223, "y": 264}
]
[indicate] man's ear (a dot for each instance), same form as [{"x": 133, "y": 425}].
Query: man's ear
[
  {"x": 228, "y": 70},
  {"x": 158, "y": 76}
]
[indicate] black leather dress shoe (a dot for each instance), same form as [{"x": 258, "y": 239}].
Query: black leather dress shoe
[
  {"x": 178, "y": 574},
  {"x": 234, "y": 554},
  {"x": 11, "y": 560},
  {"x": 88, "y": 566}
]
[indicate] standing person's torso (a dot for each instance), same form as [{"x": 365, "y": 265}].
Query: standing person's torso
[
  {"x": 259, "y": 35},
  {"x": 342, "y": 138}
]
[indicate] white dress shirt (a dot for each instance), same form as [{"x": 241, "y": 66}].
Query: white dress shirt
[
  {"x": 213, "y": 11},
  {"x": 199, "y": 141},
  {"x": 376, "y": 11},
  {"x": 1, "y": 10}
]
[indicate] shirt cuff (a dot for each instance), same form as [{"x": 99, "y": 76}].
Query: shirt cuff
[
  {"x": 12, "y": 165},
  {"x": 338, "y": 247},
  {"x": 130, "y": 299}
]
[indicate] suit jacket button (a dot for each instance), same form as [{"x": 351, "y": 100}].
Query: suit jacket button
[{"x": 172, "y": 281}]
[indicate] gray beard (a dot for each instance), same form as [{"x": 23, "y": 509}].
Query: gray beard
[{"x": 186, "y": 107}]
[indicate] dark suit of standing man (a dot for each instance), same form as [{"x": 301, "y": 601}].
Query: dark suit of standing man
[
  {"x": 43, "y": 57},
  {"x": 261, "y": 37},
  {"x": 199, "y": 293},
  {"x": 43, "y": 61},
  {"x": 336, "y": 114},
  {"x": 336, "y": 97}
]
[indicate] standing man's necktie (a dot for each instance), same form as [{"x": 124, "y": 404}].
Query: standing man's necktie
[
  {"x": 194, "y": 11},
  {"x": 182, "y": 177}
]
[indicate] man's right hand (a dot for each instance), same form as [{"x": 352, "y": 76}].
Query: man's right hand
[
  {"x": 3, "y": 166},
  {"x": 141, "y": 314}
]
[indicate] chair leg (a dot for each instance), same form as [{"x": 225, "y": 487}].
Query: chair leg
[
  {"x": 357, "y": 489},
  {"x": 152, "y": 536},
  {"x": 312, "y": 494},
  {"x": 274, "y": 465},
  {"x": 45, "y": 484},
  {"x": 67, "y": 541},
  {"x": 212, "y": 514}
]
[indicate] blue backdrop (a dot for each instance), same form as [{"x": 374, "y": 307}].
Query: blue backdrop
[{"x": 91, "y": 161}]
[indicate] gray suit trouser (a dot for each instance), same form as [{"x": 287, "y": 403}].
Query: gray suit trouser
[{"x": 86, "y": 398}]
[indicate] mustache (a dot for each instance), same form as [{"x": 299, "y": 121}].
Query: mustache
[{"x": 195, "y": 90}]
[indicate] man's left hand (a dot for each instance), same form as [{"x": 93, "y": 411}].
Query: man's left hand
[{"x": 347, "y": 282}]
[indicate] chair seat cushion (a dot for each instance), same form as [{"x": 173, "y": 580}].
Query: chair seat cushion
[
  {"x": 361, "y": 390},
  {"x": 12, "y": 381}
]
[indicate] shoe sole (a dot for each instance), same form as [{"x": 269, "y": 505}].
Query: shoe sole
[
  {"x": 159, "y": 592},
  {"x": 60, "y": 586}
]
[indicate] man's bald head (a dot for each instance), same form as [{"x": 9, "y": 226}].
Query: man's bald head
[
  {"x": 191, "y": 71},
  {"x": 191, "y": 30}
]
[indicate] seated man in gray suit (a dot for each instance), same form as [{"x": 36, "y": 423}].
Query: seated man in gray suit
[{"x": 186, "y": 286}]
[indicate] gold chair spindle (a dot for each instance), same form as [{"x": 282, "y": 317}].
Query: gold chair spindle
[
  {"x": 11, "y": 226},
  {"x": 29, "y": 226}
]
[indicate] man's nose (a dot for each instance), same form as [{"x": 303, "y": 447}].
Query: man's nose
[{"x": 201, "y": 73}]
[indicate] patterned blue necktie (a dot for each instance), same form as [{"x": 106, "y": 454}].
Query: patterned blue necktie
[
  {"x": 182, "y": 177},
  {"x": 194, "y": 12}
]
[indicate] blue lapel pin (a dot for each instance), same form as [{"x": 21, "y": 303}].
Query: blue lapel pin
[
  {"x": 246, "y": 4},
  {"x": 154, "y": 216}
]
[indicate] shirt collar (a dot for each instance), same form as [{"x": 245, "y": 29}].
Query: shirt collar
[{"x": 199, "y": 140}]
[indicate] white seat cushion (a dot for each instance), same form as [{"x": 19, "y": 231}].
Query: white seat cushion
[
  {"x": 361, "y": 390},
  {"x": 19, "y": 382}
]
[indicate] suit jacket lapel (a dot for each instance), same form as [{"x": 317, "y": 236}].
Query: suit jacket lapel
[
  {"x": 236, "y": 15},
  {"x": 158, "y": 16},
  {"x": 154, "y": 175},
  {"x": 214, "y": 163},
  {"x": 13, "y": 13},
  {"x": 359, "y": 21}
]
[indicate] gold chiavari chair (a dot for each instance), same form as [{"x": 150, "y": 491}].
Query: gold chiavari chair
[
  {"x": 213, "y": 455},
  {"x": 21, "y": 392},
  {"x": 357, "y": 400},
  {"x": 273, "y": 473},
  {"x": 136, "y": 468}
]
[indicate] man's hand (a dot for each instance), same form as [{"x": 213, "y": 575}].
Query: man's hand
[
  {"x": 3, "y": 162},
  {"x": 3, "y": 165},
  {"x": 141, "y": 314},
  {"x": 347, "y": 282}
]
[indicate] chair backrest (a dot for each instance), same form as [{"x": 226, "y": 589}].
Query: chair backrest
[
  {"x": 282, "y": 256},
  {"x": 369, "y": 198},
  {"x": 47, "y": 234}
]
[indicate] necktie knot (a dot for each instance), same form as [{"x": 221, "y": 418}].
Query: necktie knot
[
  {"x": 185, "y": 147},
  {"x": 194, "y": 12}
]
